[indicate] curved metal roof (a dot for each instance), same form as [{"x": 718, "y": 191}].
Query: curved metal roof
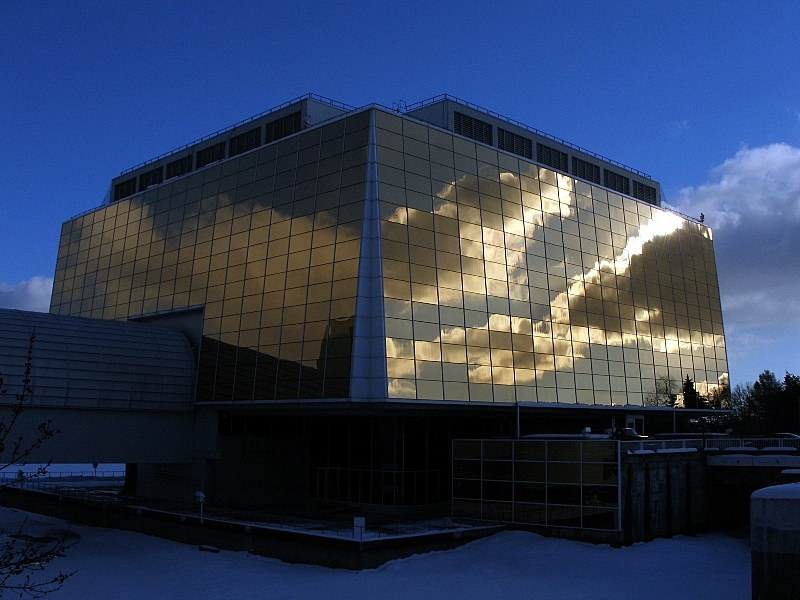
[{"x": 92, "y": 363}]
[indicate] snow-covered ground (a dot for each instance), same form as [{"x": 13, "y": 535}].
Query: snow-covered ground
[
  {"x": 112, "y": 564},
  {"x": 56, "y": 470}
]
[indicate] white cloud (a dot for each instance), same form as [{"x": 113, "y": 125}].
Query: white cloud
[
  {"x": 752, "y": 202},
  {"x": 33, "y": 294},
  {"x": 757, "y": 183}
]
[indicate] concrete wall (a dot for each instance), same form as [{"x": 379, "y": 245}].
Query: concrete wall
[{"x": 664, "y": 494}]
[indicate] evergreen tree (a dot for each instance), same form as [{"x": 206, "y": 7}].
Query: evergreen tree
[
  {"x": 690, "y": 397},
  {"x": 767, "y": 406},
  {"x": 769, "y": 402},
  {"x": 791, "y": 393}
]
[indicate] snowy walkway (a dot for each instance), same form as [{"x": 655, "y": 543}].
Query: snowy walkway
[{"x": 122, "y": 565}]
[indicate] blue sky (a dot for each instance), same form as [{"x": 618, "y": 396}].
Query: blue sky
[{"x": 703, "y": 96}]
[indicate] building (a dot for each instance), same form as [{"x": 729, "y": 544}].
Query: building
[{"x": 362, "y": 286}]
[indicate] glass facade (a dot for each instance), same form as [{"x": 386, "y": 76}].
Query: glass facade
[
  {"x": 502, "y": 280},
  {"x": 268, "y": 242},
  {"x": 563, "y": 483},
  {"x": 506, "y": 281}
]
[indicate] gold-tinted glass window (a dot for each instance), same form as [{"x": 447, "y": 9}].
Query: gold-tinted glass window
[
  {"x": 543, "y": 288},
  {"x": 267, "y": 242}
]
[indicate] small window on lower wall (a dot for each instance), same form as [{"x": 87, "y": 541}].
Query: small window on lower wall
[
  {"x": 150, "y": 178},
  {"x": 473, "y": 128},
  {"x": 616, "y": 182},
  {"x": 280, "y": 128},
  {"x": 179, "y": 167},
  {"x": 552, "y": 157},
  {"x": 585, "y": 170},
  {"x": 511, "y": 142},
  {"x": 245, "y": 141},
  {"x": 644, "y": 192},
  {"x": 206, "y": 156},
  {"x": 125, "y": 188}
]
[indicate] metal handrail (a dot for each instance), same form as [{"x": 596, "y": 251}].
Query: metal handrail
[
  {"x": 404, "y": 109},
  {"x": 544, "y": 134},
  {"x": 309, "y": 96}
]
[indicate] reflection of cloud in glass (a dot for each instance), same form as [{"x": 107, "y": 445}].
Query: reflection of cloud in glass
[
  {"x": 453, "y": 335},
  {"x": 505, "y": 252},
  {"x": 402, "y": 388},
  {"x": 661, "y": 224}
]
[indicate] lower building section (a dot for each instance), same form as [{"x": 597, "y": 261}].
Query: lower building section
[
  {"x": 594, "y": 489},
  {"x": 545, "y": 482},
  {"x": 392, "y": 455}
]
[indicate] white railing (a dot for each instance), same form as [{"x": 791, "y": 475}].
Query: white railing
[
  {"x": 97, "y": 486},
  {"x": 727, "y": 444}
]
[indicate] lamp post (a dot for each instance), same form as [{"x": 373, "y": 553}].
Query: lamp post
[{"x": 201, "y": 498}]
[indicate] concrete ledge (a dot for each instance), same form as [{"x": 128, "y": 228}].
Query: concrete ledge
[
  {"x": 779, "y": 450},
  {"x": 288, "y": 545},
  {"x": 753, "y": 460},
  {"x": 775, "y": 541}
]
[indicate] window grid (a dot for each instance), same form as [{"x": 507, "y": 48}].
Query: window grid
[
  {"x": 561, "y": 359},
  {"x": 224, "y": 254},
  {"x": 480, "y": 290},
  {"x": 573, "y": 484}
]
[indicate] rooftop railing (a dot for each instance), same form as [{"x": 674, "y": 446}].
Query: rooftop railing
[
  {"x": 440, "y": 97},
  {"x": 315, "y": 97}
]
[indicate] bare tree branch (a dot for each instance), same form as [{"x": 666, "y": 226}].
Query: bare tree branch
[{"x": 24, "y": 558}]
